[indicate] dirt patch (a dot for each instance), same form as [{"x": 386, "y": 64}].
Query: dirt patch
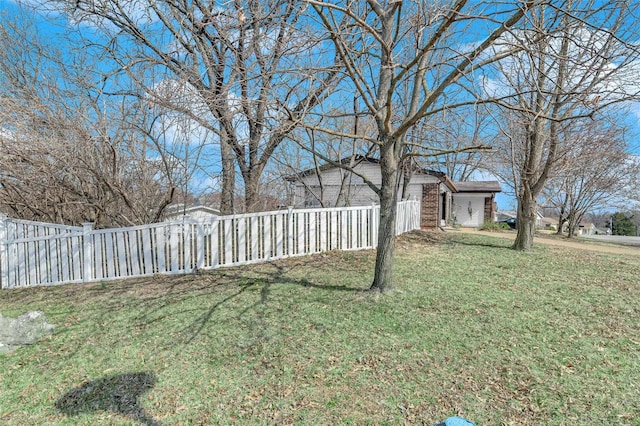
[
  {"x": 564, "y": 242},
  {"x": 420, "y": 238}
]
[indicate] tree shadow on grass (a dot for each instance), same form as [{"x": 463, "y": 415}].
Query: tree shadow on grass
[
  {"x": 497, "y": 244},
  {"x": 275, "y": 273},
  {"x": 153, "y": 300},
  {"x": 116, "y": 394}
]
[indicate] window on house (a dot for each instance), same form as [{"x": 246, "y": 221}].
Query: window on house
[{"x": 310, "y": 198}]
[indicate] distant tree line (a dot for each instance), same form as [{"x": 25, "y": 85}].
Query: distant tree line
[{"x": 622, "y": 224}]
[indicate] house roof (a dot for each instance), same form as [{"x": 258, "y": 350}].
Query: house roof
[
  {"x": 514, "y": 214},
  {"x": 328, "y": 166},
  {"x": 586, "y": 225},
  {"x": 177, "y": 209},
  {"x": 555, "y": 220},
  {"x": 479, "y": 186},
  {"x": 549, "y": 220},
  {"x": 445, "y": 179},
  {"x": 360, "y": 159}
]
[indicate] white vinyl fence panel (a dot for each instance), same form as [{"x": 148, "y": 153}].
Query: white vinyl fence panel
[{"x": 33, "y": 254}]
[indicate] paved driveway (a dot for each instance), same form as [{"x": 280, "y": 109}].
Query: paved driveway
[
  {"x": 617, "y": 239},
  {"x": 615, "y": 246}
]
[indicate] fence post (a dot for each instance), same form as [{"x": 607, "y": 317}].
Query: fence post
[
  {"x": 87, "y": 251},
  {"x": 4, "y": 264},
  {"x": 199, "y": 245},
  {"x": 289, "y": 232},
  {"x": 373, "y": 232}
]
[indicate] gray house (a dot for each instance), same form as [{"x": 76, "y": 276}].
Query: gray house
[
  {"x": 332, "y": 186},
  {"x": 443, "y": 202},
  {"x": 195, "y": 211}
]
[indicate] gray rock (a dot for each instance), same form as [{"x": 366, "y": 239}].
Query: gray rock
[{"x": 27, "y": 329}]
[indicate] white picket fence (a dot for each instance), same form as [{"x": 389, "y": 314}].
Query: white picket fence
[{"x": 34, "y": 254}]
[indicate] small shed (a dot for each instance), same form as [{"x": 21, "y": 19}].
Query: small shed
[
  {"x": 474, "y": 203},
  {"x": 197, "y": 212}
]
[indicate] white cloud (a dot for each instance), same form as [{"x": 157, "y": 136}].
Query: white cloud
[{"x": 599, "y": 73}]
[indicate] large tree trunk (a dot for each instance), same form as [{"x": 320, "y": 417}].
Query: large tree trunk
[
  {"x": 228, "y": 177},
  {"x": 252, "y": 188},
  {"x": 571, "y": 225},
  {"x": 574, "y": 224},
  {"x": 562, "y": 219},
  {"x": 383, "y": 275},
  {"x": 526, "y": 222}
]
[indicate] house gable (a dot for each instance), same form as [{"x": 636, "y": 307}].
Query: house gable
[
  {"x": 336, "y": 186},
  {"x": 198, "y": 212},
  {"x": 339, "y": 187}
]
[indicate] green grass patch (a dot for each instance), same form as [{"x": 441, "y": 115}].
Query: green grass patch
[
  {"x": 473, "y": 329},
  {"x": 494, "y": 226}
]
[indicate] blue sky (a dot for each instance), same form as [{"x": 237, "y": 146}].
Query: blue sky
[
  {"x": 46, "y": 27},
  {"x": 505, "y": 200}
]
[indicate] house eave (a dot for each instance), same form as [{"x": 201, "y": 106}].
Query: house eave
[{"x": 479, "y": 187}]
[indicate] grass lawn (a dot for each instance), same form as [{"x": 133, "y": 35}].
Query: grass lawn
[{"x": 474, "y": 329}]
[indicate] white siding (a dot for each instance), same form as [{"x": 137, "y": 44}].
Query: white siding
[
  {"x": 461, "y": 205},
  {"x": 335, "y": 175},
  {"x": 201, "y": 215},
  {"x": 334, "y": 195},
  {"x": 197, "y": 214},
  {"x": 354, "y": 192},
  {"x": 415, "y": 187}
]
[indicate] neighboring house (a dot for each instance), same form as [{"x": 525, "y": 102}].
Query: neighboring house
[
  {"x": 195, "y": 211},
  {"x": 587, "y": 228},
  {"x": 332, "y": 186},
  {"x": 550, "y": 223},
  {"x": 584, "y": 228},
  {"x": 474, "y": 203}
]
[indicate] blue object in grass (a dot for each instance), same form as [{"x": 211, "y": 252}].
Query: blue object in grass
[{"x": 457, "y": 421}]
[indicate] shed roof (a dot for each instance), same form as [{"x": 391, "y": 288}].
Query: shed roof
[
  {"x": 178, "y": 209},
  {"x": 479, "y": 186}
]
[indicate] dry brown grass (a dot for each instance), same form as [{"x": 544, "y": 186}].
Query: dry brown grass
[{"x": 474, "y": 329}]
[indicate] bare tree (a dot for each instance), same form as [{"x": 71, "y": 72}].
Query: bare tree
[
  {"x": 60, "y": 171},
  {"x": 600, "y": 218},
  {"x": 453, "y": 130},
  {"x": 313, "y": 151},
  {"x": 67, "y": 155},
  {"x": 402, "y": 59},
  {"x": 577, "y": 61},
  {"x": 241, "y": 59},
  {"x": 592, "y": 175}
]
